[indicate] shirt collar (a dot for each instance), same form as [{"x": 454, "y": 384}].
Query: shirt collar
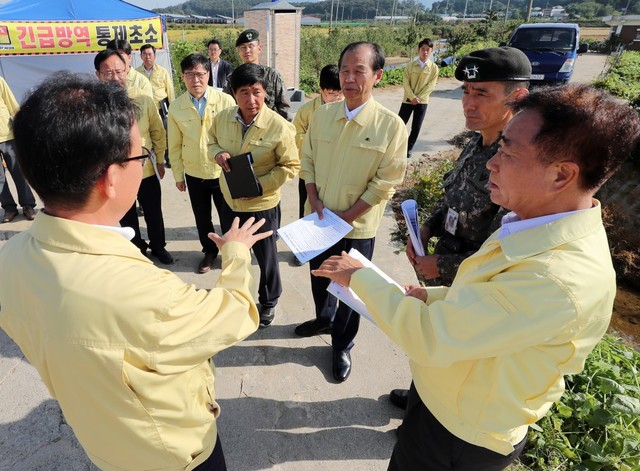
[
  {"x": 353, "y": 113},
  {"x": 422, "y": 64},
  {"x": 126, "y": 232},
  {"x": 512, "y": 224}
]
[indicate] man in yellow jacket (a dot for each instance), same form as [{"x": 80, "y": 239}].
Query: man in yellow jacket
[
  {"x": 488, "y": 355},
  {"x": 253, "y": 127},
  {"x": 190, "y": 117},
  {"x": 329, "y": 93},
  {"x": 161, "y": 83},
  {"x": 8, "y": 108},
  {"x": 420, "y": 78},
  {"x": 352, "y": 157},
  {"x": 110, "y": 66},
  {"x": 134, "y": 78},
  {"x": 122, "y": 345}
]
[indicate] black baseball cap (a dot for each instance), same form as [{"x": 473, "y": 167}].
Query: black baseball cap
[
  {"x": 494, "y": 64},
  {"x": 247, "y": 36}
]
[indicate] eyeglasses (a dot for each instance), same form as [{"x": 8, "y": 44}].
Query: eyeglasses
[
  {"x": 113, "y": 73},
  {"x": 193, "y": 75},
  {"x": 143, "y": 158}
]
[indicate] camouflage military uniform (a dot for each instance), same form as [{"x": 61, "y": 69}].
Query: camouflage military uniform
[
  {"x": 466, "y": 193},
  {"x": 276, "y": 96}
]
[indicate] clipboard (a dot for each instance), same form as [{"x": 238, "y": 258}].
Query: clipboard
[{"x": 241, "y": 180}]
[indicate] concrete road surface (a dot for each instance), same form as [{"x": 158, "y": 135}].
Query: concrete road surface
[{"x": 281, "y": 408}]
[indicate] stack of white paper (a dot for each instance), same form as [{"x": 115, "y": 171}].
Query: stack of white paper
[
  {"x": 410, "y": 211},
  {"x": 310, "y": 236},
  {"x": 351, "y": 299}
]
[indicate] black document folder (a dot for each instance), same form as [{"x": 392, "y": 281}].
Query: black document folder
[{"x": 241, "y": 180}]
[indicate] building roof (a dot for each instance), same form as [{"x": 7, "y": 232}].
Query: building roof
[{"x": 276, "y": 6}]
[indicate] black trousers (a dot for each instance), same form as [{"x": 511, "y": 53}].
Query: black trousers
[
  {"x": 25, "y": 195},
  {"x": 201, "y": 193},
  {"x": 216, "y": 461},
  {"x": 302, "y": 193},
  {"x": 418, "y": 111},
  {"x": 424, "y": 443},
  {"x": 266, "y": 251},
  {"x": 150, "y": 198},
  {"x": 345, "y": 321}
]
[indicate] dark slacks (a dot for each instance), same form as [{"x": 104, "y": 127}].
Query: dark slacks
[
  {"x": 302, "y": 194},
  {"x": 150, "y": 198},
  {"x": 424, "y": 443},
  {"x": 418, "y": 111},
  {"x": 266, "y": 251},
  {"x": 25, "y": 195},
  {"x": 345, "y": 320},
  {"x": 216, "y": 461},
  {"x": 201, "y": 193},
  {"x": 1, "y": 177}
]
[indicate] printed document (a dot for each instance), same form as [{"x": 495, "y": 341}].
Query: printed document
[
  {"x": 410, "y": 211},
  {"x": 351, "y": 299},
  {"x": 310, "y": 236}
]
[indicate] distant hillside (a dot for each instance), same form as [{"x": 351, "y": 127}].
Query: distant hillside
[
  {"x": 352, "y": 9},
  {"x": 366, "y": 9}
]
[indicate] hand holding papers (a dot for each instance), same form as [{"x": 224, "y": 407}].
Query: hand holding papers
[
  {"x": 410, "y": 211},
  {"x": 310, "y": 236},
  {"x": 347, "y": 296}
]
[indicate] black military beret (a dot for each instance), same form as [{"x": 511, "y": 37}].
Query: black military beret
[
  {"x": 495, "y": 64},
  {"x": 247, "y": 36}
]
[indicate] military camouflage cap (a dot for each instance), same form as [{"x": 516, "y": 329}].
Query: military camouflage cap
[
  {"x": 495, "y": 64},
  {"x": 247, "y": 36}
]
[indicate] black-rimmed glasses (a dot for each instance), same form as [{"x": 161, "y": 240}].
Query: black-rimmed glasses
[{"x": 143, "y": 158}]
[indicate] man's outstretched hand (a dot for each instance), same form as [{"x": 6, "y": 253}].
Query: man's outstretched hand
[{"x": 247, "y": 234}]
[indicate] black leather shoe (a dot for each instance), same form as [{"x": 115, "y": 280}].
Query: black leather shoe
[
  {"x": 399, "y": 398},
  {"x": 207, "y": 263},
  {"x": 341, "y": 366},
  {"x": 162, "y": 255},
  {"x": 29, "y": 213},
  {"x": 313, "y": 327},
  {"x": 266, "y": 315},
  {"x": 9, "y": 216}
]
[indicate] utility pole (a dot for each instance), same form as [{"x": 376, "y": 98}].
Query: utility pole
[
  {"x": 529, "y": 8},
  {"x": 506, "y": 13},
  {"x": 233, "y": 14},
  {"x": 331, "y": 16},
  {"x": 464, "y": 15}
]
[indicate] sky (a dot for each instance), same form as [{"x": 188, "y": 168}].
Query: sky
[{"x": 151, "y": 4}]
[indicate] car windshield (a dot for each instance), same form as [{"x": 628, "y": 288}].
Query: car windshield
[{"x": 550, "y": 39}]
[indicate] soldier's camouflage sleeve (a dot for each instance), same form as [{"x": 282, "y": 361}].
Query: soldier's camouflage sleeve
[{"x": 466, "y": 194}]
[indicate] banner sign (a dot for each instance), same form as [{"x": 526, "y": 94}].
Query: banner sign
[{"x": 64, "y": 37}]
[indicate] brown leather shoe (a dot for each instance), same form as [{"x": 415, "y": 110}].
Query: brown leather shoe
[
  {"x": 207, "y": 263},
  {"x": 9, "y": 216},
  {"x": 29, "y": 213}
]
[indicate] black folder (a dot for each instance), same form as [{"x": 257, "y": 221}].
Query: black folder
[{"x": 241, "y": 180}]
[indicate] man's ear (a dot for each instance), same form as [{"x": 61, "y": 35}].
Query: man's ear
[
  {"x": 567, "y": 174},
  {"x": 378, "y": 75},
  {"x": 518, "y": 94},
  {"x": 106, "y": 185}
]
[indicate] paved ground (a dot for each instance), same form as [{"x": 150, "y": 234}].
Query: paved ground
[{"x": 281, "y": 408}]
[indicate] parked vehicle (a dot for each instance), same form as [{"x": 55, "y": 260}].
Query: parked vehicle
[{"x": 552, "y": 49}]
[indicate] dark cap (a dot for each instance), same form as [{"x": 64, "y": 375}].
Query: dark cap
[
  {"x": 495, "y": 64},
  {"x": 247, "y": 36}
]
